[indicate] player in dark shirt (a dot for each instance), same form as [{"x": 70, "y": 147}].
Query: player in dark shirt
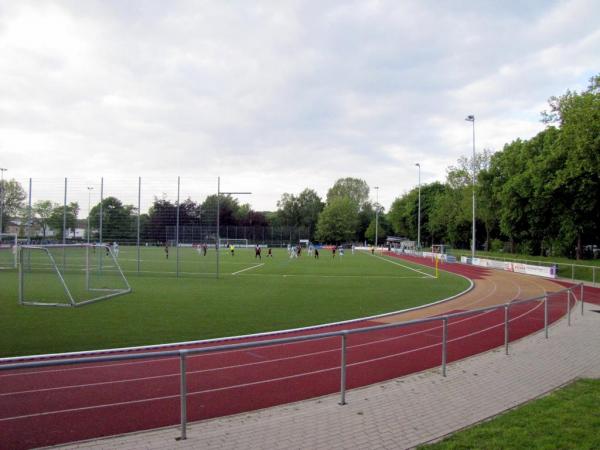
[
  {"x": 166, "y": 250},
  {"x": 316, "y": 253},
  {"x": 333, "y": 251}
]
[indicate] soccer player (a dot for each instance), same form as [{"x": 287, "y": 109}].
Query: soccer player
[
  {"x": 204, "y": 249},
  {"x": 166, "y": 250},
  {"x": 353, "y": 248},
  {"x": 257, "y": 252},
  {"x": 316, "y": 253},
  {"x": 270, "y": 253},
  {"x": 232, "y": 249},
  {"x": 333, "y": 251},
  {"x": 341, "y": 251},
  {"x": 115, "y": 247}
]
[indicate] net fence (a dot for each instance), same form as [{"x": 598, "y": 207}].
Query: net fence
[{"x": 169, "y": 225}]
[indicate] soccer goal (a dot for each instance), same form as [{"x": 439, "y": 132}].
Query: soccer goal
[
  {"x": 69, "y": 275},
  {"x": 8, "y": 251},
  {"x": 237, "y": 243}
]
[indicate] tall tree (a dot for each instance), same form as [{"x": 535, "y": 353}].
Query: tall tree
[
  {"x": 118, "y": 221},
  {"x": 42, "y": 210},
  {"x": 12, "y": 196},
  {"x": 58, "y": 216},
  {"x": 354, "y": 188},
  {"x": 338, "y": 221}
]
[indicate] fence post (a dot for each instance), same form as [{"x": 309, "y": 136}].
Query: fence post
[
  {"x": 343, "y": 370},
  {"x": 183, "y": 394},
  {"x": 581, "y": 298},
  {"x": 569, "y": 307},
  {"x": 546, "y": 316},
  {"x": 444, "y": 344},
  {"x": 506, "y": 328}
]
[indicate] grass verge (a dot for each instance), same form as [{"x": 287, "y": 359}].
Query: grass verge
[{"x": 568, "y": 418}]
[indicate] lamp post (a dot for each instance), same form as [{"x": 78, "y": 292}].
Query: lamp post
[
  {"x": 2, "y": 170},
  {"x": 89, "y": 188},
  {"x": 471, "y": 119},
  {"x": 377, "y": 216},
  {"x": 419, "y": 213}
]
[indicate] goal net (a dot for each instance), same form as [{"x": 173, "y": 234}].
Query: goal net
[
  {"x": 69, "y": 275},
  {"x": 8, "y": 251}
]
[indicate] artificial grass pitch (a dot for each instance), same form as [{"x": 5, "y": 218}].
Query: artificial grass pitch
[
  {"x": 568, "y": 418},
  {"x": 281, "y": 293}
]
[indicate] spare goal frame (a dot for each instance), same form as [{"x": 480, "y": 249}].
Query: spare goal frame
[{"x": 72, "y": 300}]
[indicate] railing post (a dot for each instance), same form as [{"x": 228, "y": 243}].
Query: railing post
[
  {"x": 546, "y": 316},
  {"x": 343, "y": 370},
  {"x": 444, "y": 344},
  {"x": 569, "y": 307},
  {"x": 581, "y": 298},
  {"x": 506, "y": 328},
  {"x": 183, "y": 394}
]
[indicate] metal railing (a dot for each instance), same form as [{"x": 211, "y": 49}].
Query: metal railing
[{"x": 343, "y": 334}]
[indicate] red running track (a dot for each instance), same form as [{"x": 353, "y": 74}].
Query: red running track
[{"x": 58, "y": 405}]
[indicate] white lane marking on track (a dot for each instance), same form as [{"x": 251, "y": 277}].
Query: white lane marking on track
[
  {"x": 402, "y": 265},
  {"x": 270, "y": 379},
  {"x": 248, "y": 268}
]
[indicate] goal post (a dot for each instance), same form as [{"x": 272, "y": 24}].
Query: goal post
[
  {"x": 69, "y": 275},
  {"x": 8, "y": 251}
]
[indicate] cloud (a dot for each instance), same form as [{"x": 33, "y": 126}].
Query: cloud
[{"x": 278, "y": 96}]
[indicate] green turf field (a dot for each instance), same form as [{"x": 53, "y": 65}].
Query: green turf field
[{"x": 251, "y": 296}]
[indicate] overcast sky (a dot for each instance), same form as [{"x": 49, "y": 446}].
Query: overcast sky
[{"x": 278, "y": 96}]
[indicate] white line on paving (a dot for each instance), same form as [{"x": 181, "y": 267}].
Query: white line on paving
[
  {"x": 248, "y": 268},
  {"x": 402, "y": 265}
]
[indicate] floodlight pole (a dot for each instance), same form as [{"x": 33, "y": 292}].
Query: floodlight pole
[
  {"x": 376, "y": 215},
  {"x": 471, "y": 119},
  {"x": 219, "y": 193},
  {"x": 419, "y": 213},
  {"x": 89, "y": 188},
  {"x": 2, "y": 170}
]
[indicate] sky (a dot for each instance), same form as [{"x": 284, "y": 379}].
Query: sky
[{"x": 276, "y": 96}]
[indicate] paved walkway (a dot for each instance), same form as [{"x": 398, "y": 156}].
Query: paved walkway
[{"x": 405, "y": 412}]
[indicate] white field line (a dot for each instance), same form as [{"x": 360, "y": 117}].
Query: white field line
[
  {"x": 270, "y": 380},
  {"x": 402, "y": 265},
  {"x": 248, "y": 268},
  {"x": 308, "y": 275}
]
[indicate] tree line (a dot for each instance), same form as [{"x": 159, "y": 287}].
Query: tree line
[{"x": 536, "y": 196}]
